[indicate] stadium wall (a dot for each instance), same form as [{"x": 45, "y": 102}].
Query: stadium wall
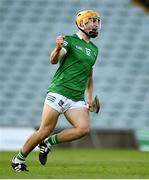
[
  {"x": 13, "y": 138},
  {"x": 105, "y": 139}
]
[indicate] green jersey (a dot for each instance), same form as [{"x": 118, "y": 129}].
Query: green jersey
[{"x": 70, "y": 79}]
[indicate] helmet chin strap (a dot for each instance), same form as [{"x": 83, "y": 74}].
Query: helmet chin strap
[{"x": 90, "y": 34}]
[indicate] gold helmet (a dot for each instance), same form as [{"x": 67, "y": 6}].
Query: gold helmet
[{"x": 85, "y": 16}]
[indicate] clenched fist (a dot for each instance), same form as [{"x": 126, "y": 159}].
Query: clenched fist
[{"x": 59, "y": 41}]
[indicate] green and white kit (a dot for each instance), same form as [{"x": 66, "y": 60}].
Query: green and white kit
[
  {"x": 61, "y": 103},
  {"x": 70, "y": 79}
]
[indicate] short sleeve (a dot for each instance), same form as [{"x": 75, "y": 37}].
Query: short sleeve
[{"x": 66, "y": 44}]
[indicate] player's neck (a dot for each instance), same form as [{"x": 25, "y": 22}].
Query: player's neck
[{"x": 82, "y": 35}]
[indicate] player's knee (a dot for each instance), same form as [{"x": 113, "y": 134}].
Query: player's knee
[
  {"x": 44, "y": 132},
  {"x": 83, "y": 131}
]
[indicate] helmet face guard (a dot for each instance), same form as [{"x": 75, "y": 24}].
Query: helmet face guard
[{"x": 85, "y": 17}]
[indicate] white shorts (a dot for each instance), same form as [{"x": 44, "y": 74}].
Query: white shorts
[{"x": 62, "y": 103}]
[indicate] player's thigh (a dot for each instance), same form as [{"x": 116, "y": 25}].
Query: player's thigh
[
  {"x": 49, "y": 117},
  {"x": 78, "y": 117}
]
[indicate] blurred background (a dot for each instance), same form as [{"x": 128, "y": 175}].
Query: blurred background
[{"x": 121, "y": 75}]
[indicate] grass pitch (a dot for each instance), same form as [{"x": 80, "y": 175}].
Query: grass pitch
[{"x": 80, "y": 164}]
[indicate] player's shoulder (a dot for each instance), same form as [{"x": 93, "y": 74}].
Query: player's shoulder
[
  {"x": 71, "y": 36},
  {"x": 69, "y": 39},
  {"x": 94, "y": 45}
]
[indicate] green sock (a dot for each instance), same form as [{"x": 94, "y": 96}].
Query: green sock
[
  {"x": 53, "y": 139},
  {"x": 21, "y": 156}
]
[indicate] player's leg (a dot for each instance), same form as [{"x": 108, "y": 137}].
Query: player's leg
[
  {"x": 48, "y": 122},
  {"x": 77, "y": 114},
  {"x": 79, "y": 118}
]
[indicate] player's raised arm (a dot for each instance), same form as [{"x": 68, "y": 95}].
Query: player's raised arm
[{"x": 58, "y": 52}]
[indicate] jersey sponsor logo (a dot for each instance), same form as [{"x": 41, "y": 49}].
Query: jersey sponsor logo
[
  {"x": 88, "y": 51},
  {"x": 78, "y": 47}
]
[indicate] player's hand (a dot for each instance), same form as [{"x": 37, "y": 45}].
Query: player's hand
[
  {"x": 59, "y": 41},
  {"x": 89, "y": 103},
  {"x": 94, "y": 106}
]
